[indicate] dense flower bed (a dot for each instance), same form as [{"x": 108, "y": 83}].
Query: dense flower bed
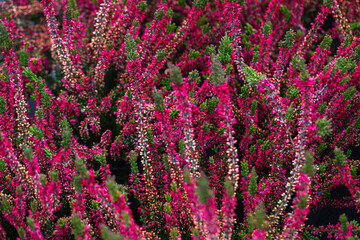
[{"x": 234, "y": 116}]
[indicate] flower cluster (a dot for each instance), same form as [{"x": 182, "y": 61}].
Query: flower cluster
[{"x": 221, "y": 119}]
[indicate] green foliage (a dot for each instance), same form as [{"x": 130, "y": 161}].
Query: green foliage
[
  {"x": 245, "y": 92},
  {"x": 349, "y": 93},
  {"x": 24, "y": 58},
  {"x": 229, "y": 187},
  {"x": 28, "y": 152},
  {"x": 182, "y": 3},
  {"x": 357, "y": 123},
  {"x": 324, "y": 127},
  {"x": 225, "y": 50},
  {"x": 217, "y": 75},
  {"x": 131, "y": 47},
  {"x": 170, "y": 28},
  {"x": 249, "y": 30},
  {"x": 255, "y": 56},
  {"x": 45, "y": 99},
  {"x": 77, "y": 183},
  {"x": 150, "y": 136},
  {"x": 267, "y": 29},
  {"x": 187, "y": 179},
  {"x": 142, "y": 6},
  {"x": 159, "y": 14},
  {"x": 37, "y": 132},
  {"x": 329, "y": 3},
  {"x": 289, "y": 114},
  {"x": 53, "y": 175},
  {"x": 78, "y": 226},
  {"x": 159, "y": 101},
  {"x": 107, "y": 234},
  {"x": 293, "y": 92},
  {"x": 252, "y": 77},
  {"x": 299, "y": 64},
  {"x": 289, "y": 40},
  {"x": 43, "y": 179},
  {"x": 308, "y": 236},
  {"x": 203, "y": 189},
  {"x": 19, "y": 190},
  {"x": 175, "y": 75},
  {"x": 252, "y": 149},
  {"x": 31, "y": 223},
  {"x": 322, "y": 107},
  {"x": 167, "y": 208},
  {"x": 258, "y": 219},
  {"x": 200, "y": 4},
  {"x": 69, "y": 13},
  {"x": 321, "y": 147},
  {"x": 343, "y": 221},
  {"x": 182, "y": 147},
  {"x": 303, "y": 201},
  {"x": 174, "y": 233},
  {"x": 347, "y": 41},
  {"x": 5, "y": 205},
  {"x": 101, "y": 158},
  {"x": 253, "y": 182},
  {"x": 345, "y": 80},
  {"x": 286, "y": 12},
  {"x": 30, "y": 75},
  {"x": 354, "y": 25},
  {"x": 228, "y": 69},
  {"x": 206, "y": 127},
  {"x": 193, "y": 54},
  {"x": 266, "y": 145},
  {"x": 160, "y": 55},
  {"x": 174, "y": 114},
  {"x": 3, "y": 105},
  {"x": 221, "y": 131},
  {"x": 113, "y": 189},
  {"x": 202, "y": 106},
  {"x": 254, "y": 105},
  {"x": 66, "y": 134},
  {"x": 2, "y": 166},
  {"x": 212, "y": 104},
  {"x": 5, "y": 41},
  {"x": 344, "y": 64},
  {"x": 353, "y": 172},
  {"x": 169, "y": 13},
  {"x": 194, "y": 76},
  {"x": 308, "y": 166},
  {"x": 251, "y": 131},
  {"x": 210, "y": 50},
  {"x": 133, "y": 162},
  {"x": 340, "y": 157},
  {"x": 21, "y": 232},
  {"x": 326, "y": 42},
  {"x": 81, "y": 168}
]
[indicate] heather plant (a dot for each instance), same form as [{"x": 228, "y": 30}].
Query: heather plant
[{"x": 235, "y": 118}]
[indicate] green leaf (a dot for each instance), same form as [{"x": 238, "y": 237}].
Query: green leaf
[
  {"x": 225, "y": 50},
  {"x": 78, "y": 226},
  {"x": 253, "y": 182},
  {"x": 130, "y": 47},
  {"x": 5, "y": 42},
  {"x": 3, "y": 105},
  {"x": 175, "y": 75},
  {"x": 159, "y": 101},
  {"x": 326, "y": 42},
  {"x": 308, "y": 166},
  {"x": 159, "y": 14},
  {"x": 324, "y": 127},
  {"x": 289, "y": 40}
]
